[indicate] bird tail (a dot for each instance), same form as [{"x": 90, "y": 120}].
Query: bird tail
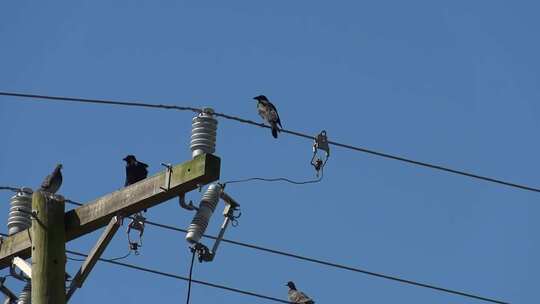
[{"x": 275, "y": 130}]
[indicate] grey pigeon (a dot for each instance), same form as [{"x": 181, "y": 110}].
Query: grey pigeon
[
  {"x": 296, "y": 296},
  {"x": 53, "y": 181},
  {"x": 135, "y": 170},
  {"x": 269, "y": 113}
]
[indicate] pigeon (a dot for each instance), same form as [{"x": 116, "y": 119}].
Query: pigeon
[
  {"x": 53, "y": 181},
  {"x": 135, "y": 170},
  {"x": 296, "y": 296},
  {"x": 269, "y": 113}
]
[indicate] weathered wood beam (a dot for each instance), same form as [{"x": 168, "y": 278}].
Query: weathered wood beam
[
  {"x": 94, "y": 255},
  {"x": 147, "y": 193},
  {"x": 48, "y": 250}
]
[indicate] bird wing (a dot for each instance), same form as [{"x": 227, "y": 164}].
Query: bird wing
[
  {"x": 127, "y": 176},
  {"x": 298, "y": 297},
  {"x": 46, "y": 182},
  {"x": 274, "y": 113},
  {"x": 144, "y": 165}
]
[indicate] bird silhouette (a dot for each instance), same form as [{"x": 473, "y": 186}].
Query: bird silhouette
[
  {"x": 53, "y": 181},
  {"x": 296, "y": 296},
  {"x": 269, "y": 113},
  {"x": 135, "y": 170}
]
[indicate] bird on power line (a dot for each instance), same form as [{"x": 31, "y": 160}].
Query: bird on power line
[
  {"x": 53, "y": 181},
  {"x": 296, "y": 296},
  {"x": 269, "y": 113},
  {"x": 135, "y": 170}
]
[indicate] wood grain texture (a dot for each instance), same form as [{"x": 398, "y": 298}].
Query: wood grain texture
[
  {"x": 48, "y": 250},
  {"x": 147, "y": 193}
]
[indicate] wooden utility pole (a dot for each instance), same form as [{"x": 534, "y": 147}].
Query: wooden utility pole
[
  {"x": 48, "y": 249},
  {"x": 52, "y": 228}
]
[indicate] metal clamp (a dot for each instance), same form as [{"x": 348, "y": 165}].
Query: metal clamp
[
  {"x": 137, "y": 223},
  {"x": 168, "y": 176},
  {"x": 321, "y": 143},
  {"x": 189, "y": 206}
]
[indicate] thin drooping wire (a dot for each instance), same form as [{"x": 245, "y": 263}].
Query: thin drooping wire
[
  {"x": 9, "y": 188},
  {"x": 74, "y": 259},
  {"x": 247, "y": 121},
  {"x": 330, "y": 264},
  {"x": 174, "y": 276},
  {"x": 112, "y": 259},
  {"x": 190, "y": 274},
  {"x": 278, "y": 179}
]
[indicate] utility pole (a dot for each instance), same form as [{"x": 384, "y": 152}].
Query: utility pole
[
  {"x": 52, "y": 228},
  {"x": 48, "y": 249}
]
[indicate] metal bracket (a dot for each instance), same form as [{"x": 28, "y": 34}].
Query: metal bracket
[
  {"x": 94, "y": 255},
  {"x": 137, "y": 223},
  {"x": 182, "y": 202},
  {"x": 204, "y": 253},
  {"x": 168, "y": 174},
  {"x": 24, "y": 266},
  {"x": 6, "y": 291},
  {"x": 321, "y": 143}
]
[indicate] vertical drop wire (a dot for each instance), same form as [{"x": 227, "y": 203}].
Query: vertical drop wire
[{"x": 190, "y": 274}]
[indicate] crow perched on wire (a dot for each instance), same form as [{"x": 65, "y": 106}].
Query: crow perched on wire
[
  {"x": 53, "y": 181},
  {"x": 135, "y": 170},
  {"x": 269, "y": 113},
  {"x": 296, "y": 296}
]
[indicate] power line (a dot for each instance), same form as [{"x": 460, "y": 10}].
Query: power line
[
  {"x": 9, "y": 188},
  {"x": 336, "y": 265},
  {"x": 317, "y": 261},
  {"x": 326, "y": 263},
  {"x": 299, "y": 134},
  {"x": 174, "y": 276},
  {"x": 170, "y": 275}
]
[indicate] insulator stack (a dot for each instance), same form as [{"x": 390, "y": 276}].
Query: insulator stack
[
  {"x": 203, "y": 133},
  {"x": 206, "y": 208},
  {"x": 25, "y": 297},
  {"x": 20, "y": 211}
]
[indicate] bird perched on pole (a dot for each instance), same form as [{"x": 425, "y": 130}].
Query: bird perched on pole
[
  {"x": 269, "y": 113},
  {"x": 135, "y": 170},
  {"x": 296, "y": 296},
  {"x": 53, "y": 181}
]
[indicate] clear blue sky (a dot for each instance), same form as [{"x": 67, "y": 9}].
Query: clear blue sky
[{"x": 455, "y": 83}]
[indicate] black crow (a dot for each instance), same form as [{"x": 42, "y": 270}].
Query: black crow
[
  {"x": 296, "y": 296},
  {"x": 53, "y": 181},
  {"x": 135, "y": 170},
  {"x": 269, "y": 113}
]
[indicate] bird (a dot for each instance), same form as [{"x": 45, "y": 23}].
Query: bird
[
  {"x": 269, "y": 113},
  {"x": 53, "y": 181},
  {"x": 135, "y": 170},
  {"x": 296, "y": 296}
]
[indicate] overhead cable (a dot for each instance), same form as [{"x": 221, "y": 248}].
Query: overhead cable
[{"x": 299, "y": 134}]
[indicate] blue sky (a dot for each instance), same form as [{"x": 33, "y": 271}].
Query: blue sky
[{"x": 450, "y": 83}]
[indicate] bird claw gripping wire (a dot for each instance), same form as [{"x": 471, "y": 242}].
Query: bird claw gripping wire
[
  {"x": 137, "y": 223},
  {"x": 321, "y": 143}
]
